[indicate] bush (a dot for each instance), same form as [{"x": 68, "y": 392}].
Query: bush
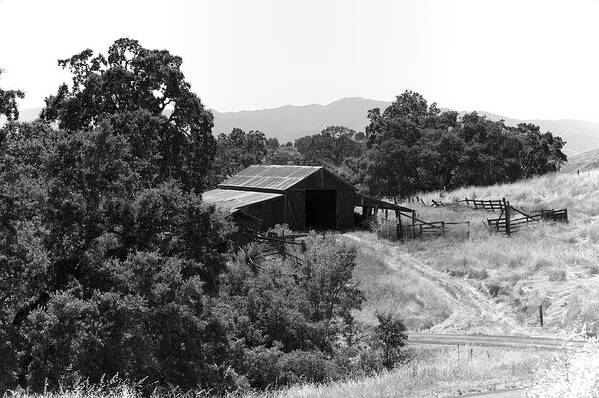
[{"x": 390, "y": 337}]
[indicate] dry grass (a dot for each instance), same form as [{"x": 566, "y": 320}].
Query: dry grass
[
  {"x": 398, "y": 289},
  {"x": 570, "y": 376},
  {"x": 437, "y": 372}
]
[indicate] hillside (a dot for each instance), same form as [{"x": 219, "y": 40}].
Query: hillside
[
  {"x": 584, "y": 161},
  {"x": 290, "y": 122},
  {"x": 488, "y": 284}
]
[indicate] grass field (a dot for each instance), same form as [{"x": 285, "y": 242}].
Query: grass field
[
  {"x": 487, "y": 283},
  {"x": 550, "y": 265},
  {"x": 437, "y": 372}
]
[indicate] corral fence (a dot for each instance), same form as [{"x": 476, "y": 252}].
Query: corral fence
[
  {"x": 396, "y": 230},
  {"x": 482, "y": 204},
  {"x": 511, "y": 219}
]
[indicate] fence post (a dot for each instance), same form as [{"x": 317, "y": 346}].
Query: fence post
[
  {"x": 506, "y": 208},
  {"x": 399, "y": 227},
  {"x": 541, "y": 315},
  {"x": 414, "y": 225}
]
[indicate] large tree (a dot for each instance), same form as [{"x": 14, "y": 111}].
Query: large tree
[
  {"x": 414, "y": 146},
  {"x": 331, "y": 146},
  {"x": 236, "y": 151},
  {"x": 144, "y": 94},
  {"x": 8, "y": 102}
]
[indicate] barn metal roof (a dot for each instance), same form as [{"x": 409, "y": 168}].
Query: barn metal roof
[
  {"x": 272, "y": 177},
  {"x": 233, "y": 200}
]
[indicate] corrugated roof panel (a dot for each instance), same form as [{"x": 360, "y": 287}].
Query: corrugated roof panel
[
  {"x": 278, "y": 178},
  {"x": 232, "y": 200}
]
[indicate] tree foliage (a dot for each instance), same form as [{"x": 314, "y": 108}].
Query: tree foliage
[
  {"x": 8, "y": 102},
  {"x": 332, "y": 146},
  {"x": 144, "y": 94},
  {"x": 413, "y": 146},
  {"x": 236, "y": 151}
]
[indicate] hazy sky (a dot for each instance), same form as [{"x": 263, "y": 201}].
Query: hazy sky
[{"x": 521, "y": 58}]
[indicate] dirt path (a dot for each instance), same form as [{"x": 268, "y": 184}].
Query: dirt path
[
  {"x": 495, "y": 341},
  {"x": 472, "y": 311},
  {"x": 511, "y": 393}
]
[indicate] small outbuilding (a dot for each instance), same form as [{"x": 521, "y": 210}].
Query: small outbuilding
[{"x": 304, "y": 197}]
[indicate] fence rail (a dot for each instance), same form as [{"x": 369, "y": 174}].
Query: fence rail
[
  {"x": 397, "y": 230},
  {"x": 511, "y": 219},
  {"x": 507, "y": 225}
]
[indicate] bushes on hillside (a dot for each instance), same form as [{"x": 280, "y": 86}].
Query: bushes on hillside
[{"x": 111, "y": 263}]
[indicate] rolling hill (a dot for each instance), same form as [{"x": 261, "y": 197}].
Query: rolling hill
[
  {"x": 289, "y": 122},
  {"x": 584, "y": 161}
]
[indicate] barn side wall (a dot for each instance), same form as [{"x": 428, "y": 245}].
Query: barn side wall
[
  {"x": 271, "y": 212},
  {"x": 345, "y": 209},
  {"x": 296, "y": 209}
]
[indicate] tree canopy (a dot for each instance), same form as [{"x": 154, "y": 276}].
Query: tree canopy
[
  {"x": 331, "y": 146},
  {"x": 236, "y": 151},
  {"x": 413, "y": 146},
  {"x": 8, "y": 102},
  {"x": 144, "y": 94}
]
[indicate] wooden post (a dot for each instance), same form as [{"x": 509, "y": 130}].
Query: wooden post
[
  {"x": 541, "y": 315},
  {"x": 507, "y": 217},
  {"x": 470, "y": 353},
  {"x": 399, "y": 226},
  {"x": 413, "y": 224}
]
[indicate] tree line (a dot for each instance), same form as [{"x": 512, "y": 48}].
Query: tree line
[
  {"x": 110, "y": 262},
  {"x": 409, "y": 147}
]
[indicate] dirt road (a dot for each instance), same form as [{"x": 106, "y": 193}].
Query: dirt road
[
  {"x": 511, "y": 393},
  {"x": 472, "y": 311},
  {"x": 494, "y": 341}
]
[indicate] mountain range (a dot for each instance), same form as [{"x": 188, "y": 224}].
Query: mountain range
[{"x": 289, "y": 122}]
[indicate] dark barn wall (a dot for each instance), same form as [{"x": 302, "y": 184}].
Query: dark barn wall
[
  {"x": 345, "y": 209},
  {"x": 296, "y": 210},
  {"x": 271, "y": 212}
]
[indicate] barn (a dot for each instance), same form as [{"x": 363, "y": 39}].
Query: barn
[{"x": 304, "y": 197}]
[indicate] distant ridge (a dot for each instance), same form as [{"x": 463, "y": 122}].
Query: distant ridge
[
  {"x": 289, "y": 122},
  {"x": 584, "y": 161}
]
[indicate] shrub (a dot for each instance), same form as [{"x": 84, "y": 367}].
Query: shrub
[{"x": 390, "y": 337}]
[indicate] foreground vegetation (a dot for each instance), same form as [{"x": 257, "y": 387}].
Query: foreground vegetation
[
  {"x": 110, "y": 262},
  {"x": 438, "y": 372}
]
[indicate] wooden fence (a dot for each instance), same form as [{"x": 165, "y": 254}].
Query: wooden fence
[
  {"x": 396, "y": 230},
  {"x": 482, "y": 204},
  {"x": 512, "y": 219}
]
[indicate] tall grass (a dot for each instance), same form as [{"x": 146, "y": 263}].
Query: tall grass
[
  {"x": 436, "y": 372},
  {"x": 397, "y": 288},
  {"x": 573, "y": 375}
]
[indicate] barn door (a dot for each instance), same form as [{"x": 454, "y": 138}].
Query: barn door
[{"x": 321, "y": 209}]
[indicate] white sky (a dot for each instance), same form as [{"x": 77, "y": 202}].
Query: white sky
[{"x": 518, "y": 58}]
